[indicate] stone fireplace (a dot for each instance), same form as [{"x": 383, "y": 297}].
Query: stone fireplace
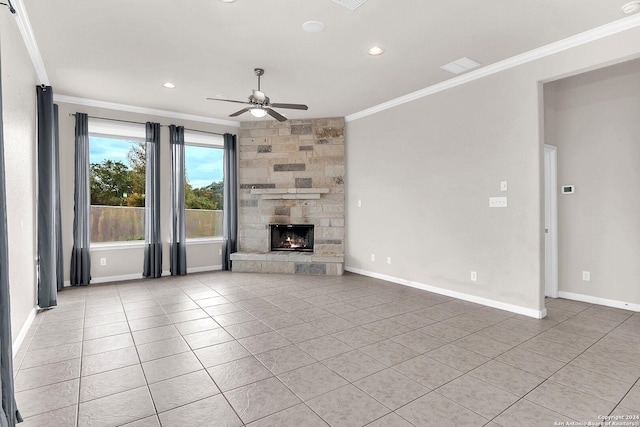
[{"x": 291, "y": 182}]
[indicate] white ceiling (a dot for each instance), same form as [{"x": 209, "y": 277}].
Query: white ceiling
[{"x": 122, "y": 51}]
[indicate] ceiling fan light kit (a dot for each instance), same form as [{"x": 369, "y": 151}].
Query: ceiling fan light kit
[
  {"x": 258, "y": 112},
  {"x": 260, "y": 104}
]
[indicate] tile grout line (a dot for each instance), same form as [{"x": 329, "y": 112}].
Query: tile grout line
[
  {"x": 184, "y": 290},
  {"x": 565, "y": 365},
  {"x": 206, "y": 369},
  {"x": 81, "y": 361},
  {"x": 138, "y": 356}
]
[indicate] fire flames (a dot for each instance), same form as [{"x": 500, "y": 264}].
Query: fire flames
[{"x": 294, "y": 242}]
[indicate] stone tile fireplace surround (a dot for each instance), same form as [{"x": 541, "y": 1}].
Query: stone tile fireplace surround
[{"x": 291, "y": 173}]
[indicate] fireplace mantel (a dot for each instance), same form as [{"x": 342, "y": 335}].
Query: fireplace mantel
[{"x": 289, "y": 193}]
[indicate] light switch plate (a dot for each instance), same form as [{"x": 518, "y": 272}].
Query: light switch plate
[{"x": 503, "y": 185}]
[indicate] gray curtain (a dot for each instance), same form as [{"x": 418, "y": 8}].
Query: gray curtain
[
  {"x": 153, "y": 242},
  {"x": 59, "y": 267},
  {"x": 177, "y": 248},
  {"x": 9, "y": 414},
  {"x": 80, "y": 256},
  {"x": 49, "y": 232},
  {"x": 230, "y": 208}
]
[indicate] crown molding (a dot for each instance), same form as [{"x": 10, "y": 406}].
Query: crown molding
[
  {"x": 24, "y": 25},
  {"x": 142, "y": 110},
  {"x": 594, "y": 34},
  {"x": 532, "y": 55}
]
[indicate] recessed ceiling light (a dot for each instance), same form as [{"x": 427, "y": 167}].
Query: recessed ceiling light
[
  {"x": 375, "y": 51},
  {"x": 228, "y": 1},
  {"x": 313, "y": 27},
  {"x": 460, "y": 65},
  {"x": 169, "y": 85},
  {"x": 631, "y": 7}
]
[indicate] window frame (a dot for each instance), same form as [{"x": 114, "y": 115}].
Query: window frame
[
  {"x": 126, "y": 131},
  {"x": 204, "y": 140}
]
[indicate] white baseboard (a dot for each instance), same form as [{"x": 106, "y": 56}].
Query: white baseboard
[
  {"x": 120, "y": 278},
  {"x": 204, "y": 269},
  {"x": 124, "y": 277},
  {"x": 600, "y": 301},
  {"x": 538, "y": 314},
  {"x": 23, "y": 331}
]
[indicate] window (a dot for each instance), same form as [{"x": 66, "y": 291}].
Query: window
[
  {"x": 204, "y": 156},
  {"x": 117, "y": 181}
]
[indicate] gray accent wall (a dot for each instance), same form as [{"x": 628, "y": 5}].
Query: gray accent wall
[
  {"x": 424, "y": 172},
  {"x": 594, "y": 120},
  {"x": 18, "y": 92}
]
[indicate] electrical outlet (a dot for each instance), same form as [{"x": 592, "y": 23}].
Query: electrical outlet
[
  {"x": 373, "y": 257},
  {"x": 497, "y": 202},
  {"x": 474, "y": 276},
  {"x": 586, "y": 276},
  {"x": 388, "y": 260},
  {"x": 103, "y": 261}
]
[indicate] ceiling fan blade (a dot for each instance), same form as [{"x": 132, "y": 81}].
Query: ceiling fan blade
[
  {"x": 279, "y": 117},
  {"x": 291, "y": 106},
  {"x": 229, "y": 100},
  {"x": 237, "y": 113}
]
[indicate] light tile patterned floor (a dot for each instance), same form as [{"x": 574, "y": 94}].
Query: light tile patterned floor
[{"x": 234, "y": 349}]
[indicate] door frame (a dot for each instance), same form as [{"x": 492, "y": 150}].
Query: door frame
[{"x": 551, "y": 194}]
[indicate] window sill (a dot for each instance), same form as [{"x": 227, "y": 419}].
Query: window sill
[
  {"x": 204, "y": 240},
  {"x": 109, "y": 246}
]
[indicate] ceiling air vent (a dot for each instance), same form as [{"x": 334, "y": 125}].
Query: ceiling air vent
[
  {"x": 460, "y": 65},
  {"x": 350, "y": 4}
]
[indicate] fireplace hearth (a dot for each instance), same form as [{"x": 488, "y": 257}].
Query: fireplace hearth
[{"x": 292, "y": 237}]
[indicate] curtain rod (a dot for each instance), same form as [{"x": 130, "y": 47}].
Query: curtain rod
[
  {"x": 204, "y": 131},
  {"x": 10, "y": 6},
  {"x": 140, "y": 123},
  {"x": 113, "y": 120}
]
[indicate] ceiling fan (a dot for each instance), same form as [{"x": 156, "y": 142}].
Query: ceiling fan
[{"x": 260, "y": 104}]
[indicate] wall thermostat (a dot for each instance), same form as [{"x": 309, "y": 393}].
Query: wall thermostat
[{"x": 568, "y": 189}]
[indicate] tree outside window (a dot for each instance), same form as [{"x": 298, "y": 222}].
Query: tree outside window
[
  {"x": 203, "y": 191},
  {"x": 117, "y": 185}
]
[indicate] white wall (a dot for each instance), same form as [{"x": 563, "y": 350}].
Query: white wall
[
  {"x": 18, "y": 104},
  {"x": 593, "y": 118},
  {"x": 127, "y": 263},
  {"x": 425, "y": 170}
]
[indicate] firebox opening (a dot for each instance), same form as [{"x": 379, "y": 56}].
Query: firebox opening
[{"x": 292, "y": 237}]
